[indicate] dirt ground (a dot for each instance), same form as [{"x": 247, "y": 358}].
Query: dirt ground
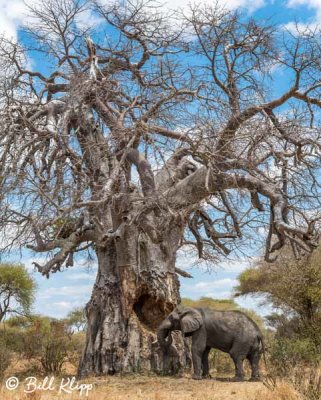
[
  {"x": 156, "y": 388},
  {"x": 177, "y": 389}
]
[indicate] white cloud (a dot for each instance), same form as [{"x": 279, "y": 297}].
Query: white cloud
[
  {"x": 79, "y": 276},
  {"x": 12, "y": 12},
  {"x": 217, "y": 289},
  {"x": 302, "y": 28},
  {"x": 86, "y": 19},
  {"x": 65, "y": 305},
  {"x": 313, "y": 23},
  {"x": 61, "y": 308},
  {"x": 222, "y": 295},
  {"x": 58, "y": 301},
  {"x": 216, "y": 284},
  {"x": 11, "y": 16},
  {"x": 236, "y": 266},
  {"x": 255, "y": 304},
  {"x": 314, "y": 4},
  {"x": 188, "y": 259},
  {"x": 248, "y": 5},
  {"x": 74, "y": 291}
]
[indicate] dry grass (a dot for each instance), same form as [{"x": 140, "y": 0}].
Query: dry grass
[
  {"x": 156, "y": 388},
  {"x": 283, "y": 391}
]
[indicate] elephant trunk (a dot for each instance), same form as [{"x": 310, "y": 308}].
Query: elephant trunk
[{"x": 163, "y": 334}]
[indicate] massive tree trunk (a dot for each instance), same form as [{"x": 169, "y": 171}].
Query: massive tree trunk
[{"x": 136, "y": 287}]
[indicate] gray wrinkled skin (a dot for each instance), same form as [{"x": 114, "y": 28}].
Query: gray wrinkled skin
[{"x": 230, "y": 331}]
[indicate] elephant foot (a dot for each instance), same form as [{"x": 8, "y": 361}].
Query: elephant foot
[
  {"x": 237, "y": 379},
  {"x": 207, "y": 376},
  {"x": 196, "y": 377},
  {"x": 255, "y": 379}
]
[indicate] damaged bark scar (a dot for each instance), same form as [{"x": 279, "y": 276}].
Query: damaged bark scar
[{"x": 151, "y": 311}]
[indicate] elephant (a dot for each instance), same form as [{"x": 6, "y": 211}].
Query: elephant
[{"x": 230, "y": 331}]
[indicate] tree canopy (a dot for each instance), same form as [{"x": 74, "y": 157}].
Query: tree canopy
[
  {"x": 17, "y": 290},
  {"x": 76, "y": 319},
  {"x": 196, "y": 107},
  {"x": 293, "y": 286}
]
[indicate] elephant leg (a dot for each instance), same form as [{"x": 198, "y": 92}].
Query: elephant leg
[
  {"x": 254, "y": 358},
  {"x": 205, "y": 365},
  {"x": 187, "y": 353},
  {"x": 198, "y": 348},
  {"x": 197, "y": 363},
  {"x": 238, "y": 359}
]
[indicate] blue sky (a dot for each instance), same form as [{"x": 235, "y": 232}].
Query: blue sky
[{"x": 71, "y": 288}]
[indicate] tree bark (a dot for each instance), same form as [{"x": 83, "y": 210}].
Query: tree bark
[{"x": 136, "y": 287}]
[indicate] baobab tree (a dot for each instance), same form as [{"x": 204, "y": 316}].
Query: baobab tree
[{"x": 151, "y": 134}]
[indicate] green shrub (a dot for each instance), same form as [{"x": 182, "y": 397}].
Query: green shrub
[
  {"x": 54, "y": 346},
  {"x": 54, "y": 353},
  {"x": 12, "y": 339},
  {"x": 46, "y": 341},
  {"x": 287, "y": 354}
]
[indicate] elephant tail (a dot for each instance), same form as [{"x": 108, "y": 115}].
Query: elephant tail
[{"x": 262, "y": 349}]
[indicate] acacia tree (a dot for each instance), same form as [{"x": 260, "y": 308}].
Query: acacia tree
[
  {"x": 189, "y": 108},
  {"x": 17, "y": 290},
  {"x": 76, "y": 319},
  {"x": 292, "y": 286}
]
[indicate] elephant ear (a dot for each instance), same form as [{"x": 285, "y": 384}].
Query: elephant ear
[{"x": 191, "y": 320}]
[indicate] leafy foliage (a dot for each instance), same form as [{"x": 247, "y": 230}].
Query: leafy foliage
[
  {"x": 76, "y": 319},
  {"x": 293, "y": 286},
  {"x": 17, "y": 290},
  {"x": 44, "y": 340},
  {"x": 286, "y": 354},
  {"x": 54, "y": 348}
]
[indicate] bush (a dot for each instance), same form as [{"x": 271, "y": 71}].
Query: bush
[
  {"x": 12, "y": 339},
  {"x": 46, "y": 341},
  {"x": 76, "y": 346},
  {"x": 34, "y": 335},
  {"x": 287, "y": 354},
  {"x": 5, "y": 358}
]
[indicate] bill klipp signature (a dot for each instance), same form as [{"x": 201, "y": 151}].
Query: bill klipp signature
[{"x": 63, "y": 385}]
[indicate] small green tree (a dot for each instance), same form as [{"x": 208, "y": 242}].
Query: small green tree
[
  {"x": 17, "y": 290},
  {"x": 76, "y": 319},
  {"x": 289, "y": 285},
  {"x": 293, "y": 287}
]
